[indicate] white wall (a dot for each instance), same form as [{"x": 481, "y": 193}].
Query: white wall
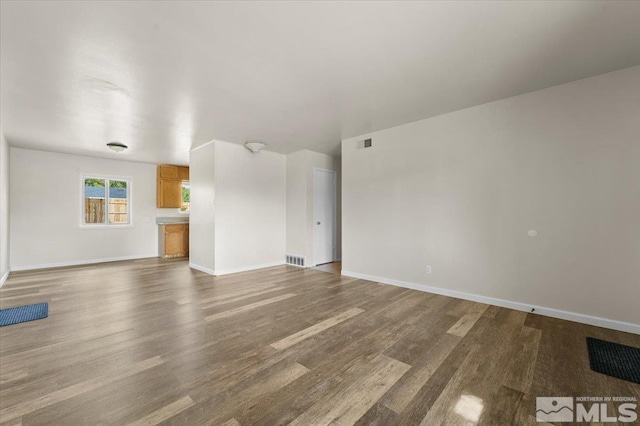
[
  {"x": 164, "y": 212},
  {"x": 4, "y": 208},
  {"x": 250, "y": 208},
  {"x": 201, "y": 215},
  {"x": 300, "y": 221},
  {"x": 460, "y": 191},
  {"x": 297, "y": 203},
  {"x": 45, "y": 200}
]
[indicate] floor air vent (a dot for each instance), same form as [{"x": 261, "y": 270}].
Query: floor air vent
[{"x": 295, "y": 260}]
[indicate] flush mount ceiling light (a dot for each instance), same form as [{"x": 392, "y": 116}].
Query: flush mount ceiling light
[
  {"x": 117, "y": 146},
  {"x": 255, "y": 147}
]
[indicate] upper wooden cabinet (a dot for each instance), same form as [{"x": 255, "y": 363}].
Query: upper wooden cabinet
[
  {"x": 184, "y": 173},
  {"x": 169, "y": 185},
  {"x": 169, "y": 172},
  {"x": 169, "y": 193}
]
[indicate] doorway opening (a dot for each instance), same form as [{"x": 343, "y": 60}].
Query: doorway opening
[
  {"x": 333, "y": 268},
  {"x": 324, "y": 216}
]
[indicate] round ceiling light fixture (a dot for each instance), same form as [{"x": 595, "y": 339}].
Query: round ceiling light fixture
[
  {"x": 117, "y": 146},
  {"x": 255, "y": 147}
]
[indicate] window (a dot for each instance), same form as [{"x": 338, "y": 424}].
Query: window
[
  {"x": 106, "y": 201},
  {"x": 186, "y": 196}
]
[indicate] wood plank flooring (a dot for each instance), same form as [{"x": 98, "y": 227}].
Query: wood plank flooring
[
  {"x": 333, "y": 267},
  {"x": 153, "y": 342}
]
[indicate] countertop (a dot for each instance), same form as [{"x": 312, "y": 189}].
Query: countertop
[{"x": 172, "y": 220}]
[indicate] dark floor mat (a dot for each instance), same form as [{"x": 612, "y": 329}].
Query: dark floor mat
[{"x": 614, "y": 359}]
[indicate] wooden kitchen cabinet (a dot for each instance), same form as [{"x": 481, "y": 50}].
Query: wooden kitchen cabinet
[
  {"x": 185, "y": 240},
  {"x": 174, "y": 240},
  {"x": 169, "y": 172},
  {"x": 169, "y": 185},
  {"x": 184, "y": 173},
  {"x": 169, "y": 193}
]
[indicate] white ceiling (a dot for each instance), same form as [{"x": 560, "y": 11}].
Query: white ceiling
[{"x": 166, "y": 76}]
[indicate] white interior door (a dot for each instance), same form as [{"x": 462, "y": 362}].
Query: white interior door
[{"x": 324, "y": 215}]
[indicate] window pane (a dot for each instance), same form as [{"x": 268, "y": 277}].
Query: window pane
[
  {"x": 118, "y": 202},
  {"x": 94, "y": 198},
  {"x": 186, "y": 196}
]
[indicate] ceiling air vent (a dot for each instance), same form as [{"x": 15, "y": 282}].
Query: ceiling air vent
[
  {"x": 366, "y": 143},
  {"x": 295, "y": 260}
]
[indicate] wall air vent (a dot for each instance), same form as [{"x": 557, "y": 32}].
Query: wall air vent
[
  {"x": 295, "y": 260},
  {"x": 365, "y": 143}
]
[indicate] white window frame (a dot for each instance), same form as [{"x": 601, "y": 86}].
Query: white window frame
[{"x": 106, "y": 224}]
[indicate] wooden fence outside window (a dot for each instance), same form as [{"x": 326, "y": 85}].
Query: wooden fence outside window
[{"x": 94, "y": 210}]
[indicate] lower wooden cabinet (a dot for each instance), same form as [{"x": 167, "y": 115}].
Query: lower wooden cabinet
[{"x": 174, "y": 240}]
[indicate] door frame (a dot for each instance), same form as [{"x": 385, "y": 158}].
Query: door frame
[{"x": 334, "y": 231}]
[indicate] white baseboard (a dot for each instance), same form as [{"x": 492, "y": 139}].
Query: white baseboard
[
  {"x": 550, "y": 312},
  {"x": 81, "y": 262},
  {"x": 297, "y": 266},
  {"x": 4, "y": 278},
  {"x": 248, "y": 268},
  {"x": 202, "y": 269}
]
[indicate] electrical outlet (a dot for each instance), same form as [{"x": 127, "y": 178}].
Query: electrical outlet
[{"x": 428, "y": 270}]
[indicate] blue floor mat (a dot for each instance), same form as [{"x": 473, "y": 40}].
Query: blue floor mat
[{"x": 20, "y": 314}]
